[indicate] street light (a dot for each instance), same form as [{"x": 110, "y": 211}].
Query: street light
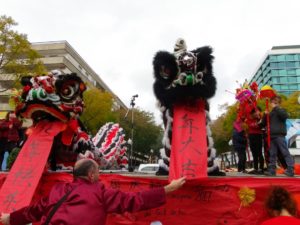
[{"x": 132, "y": 104}]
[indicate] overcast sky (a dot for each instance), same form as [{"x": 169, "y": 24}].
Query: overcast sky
[{"x": 118, "y": 38}]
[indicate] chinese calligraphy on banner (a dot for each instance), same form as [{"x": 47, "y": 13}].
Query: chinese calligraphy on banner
[
  {"x": 189, "y": 141},
  {"x": 21, "y": 183},
  {"x": 209, "y": 201}
]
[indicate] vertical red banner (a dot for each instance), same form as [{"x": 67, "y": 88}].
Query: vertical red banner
[
  {"x": 189, "y": 141},
  {"x": 21, "y": 182}
]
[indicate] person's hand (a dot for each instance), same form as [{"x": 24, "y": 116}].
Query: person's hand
[
  {"x": 87, "y": 155},
  {"x": 5, "y": 218},
  {"x": 175, "y": 184}
]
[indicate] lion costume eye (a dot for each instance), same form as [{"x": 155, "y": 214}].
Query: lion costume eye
[{"x": 69, "y": 90}]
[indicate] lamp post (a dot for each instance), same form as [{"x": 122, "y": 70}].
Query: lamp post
[{"x": 132, "y": 104}]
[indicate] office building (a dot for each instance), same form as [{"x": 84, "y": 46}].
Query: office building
[{"x": 280, "y": 68}]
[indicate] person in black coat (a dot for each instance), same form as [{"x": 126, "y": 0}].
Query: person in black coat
[{"x": 278, "y": 131}]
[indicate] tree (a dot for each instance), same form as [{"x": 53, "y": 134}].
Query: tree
[
  {"x": 292, "y": 105},
  {"x": 16, "y": 55},
  {"x": 98, "y": 109},
  {"x": 222, "y": 128},
  {"x": 146, "y": 134}
]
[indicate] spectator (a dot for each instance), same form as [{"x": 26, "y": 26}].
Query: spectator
[
  {"x": 239, "y": 144},
  {"x": 282, "y": 207},
  {"x": 9, "y": 134}
]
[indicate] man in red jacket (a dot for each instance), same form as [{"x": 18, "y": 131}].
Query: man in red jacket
[{"x": 88, "y": 201}]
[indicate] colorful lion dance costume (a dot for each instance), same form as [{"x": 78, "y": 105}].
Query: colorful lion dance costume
[
  {"x": 57, "y": 97},
  {"x": 184, "y": 76}
]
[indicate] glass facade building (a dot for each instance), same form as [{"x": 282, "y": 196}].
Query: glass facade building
[{"x": 280, "y": 68}]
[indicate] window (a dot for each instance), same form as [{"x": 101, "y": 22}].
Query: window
[
  {"x": 283, "y": 79},
  {"x": 284, "y": 87},
  {"x": 275, "y": 80},
  {"x": 273, "y": 65},
  {"x": 281, "y": 58},
  {"x": 273, "y": 58},
  {"x": 276, "y": 86},
  {"x": 282, "y": 72},
  {"x": 290, "y": 64},
  {"x": 265, "y": 72},
  {"x": 281, "y": 65},
  {"x": 290, "y": 57},
  {"x": 285, "y": 93},
  {"x": 275, "y": 72},
  {"x": 292, "y": 79},
  {"x": 297, "y": 71},
  {"x": 293, "y": 86},
  {"x": 291, "y": 72}
]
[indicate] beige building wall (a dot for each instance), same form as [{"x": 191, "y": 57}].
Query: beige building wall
[{"x": 60, "y": 55}]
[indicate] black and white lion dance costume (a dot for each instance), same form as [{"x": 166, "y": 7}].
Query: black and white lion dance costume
[{"x": 182, "y": 77}]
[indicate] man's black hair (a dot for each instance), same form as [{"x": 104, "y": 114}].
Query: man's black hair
[
  {"x": 276, "y": 99},
  {"x": 83, "y": 169}
]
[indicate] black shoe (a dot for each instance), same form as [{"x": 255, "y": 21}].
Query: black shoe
[
  {"x": 252, "y": 171},
  {"x": 288, "y": 173},
  {"x": 162, "y": 172},
  {"x": 260, "y": 172},
  {"x": 217, "y": 172},
  {"x": 270, "y": 174}
]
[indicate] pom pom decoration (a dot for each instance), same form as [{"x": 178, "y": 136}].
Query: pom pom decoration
[
  {"x": 267, "y": 92},
  {"x": 246, "y": 196}
]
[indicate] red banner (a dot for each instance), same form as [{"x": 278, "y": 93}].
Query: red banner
[
  {"x": 189, "y": 141},
  {"x": 21, "y": 183},
  {"x": 210, "y": 201}
]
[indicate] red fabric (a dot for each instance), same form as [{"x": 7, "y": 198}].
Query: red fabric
[
  {"x": 69, "y": 132},
  {"x": 87, "y": 204},
  {"x": 27, "y": 170},
  {"x": 282, "y": 220},
  {"x": 189, "y": 142},
  {"x": 207, "y": 201}
]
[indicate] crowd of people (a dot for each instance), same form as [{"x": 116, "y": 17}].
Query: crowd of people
[{"x": 253, "y": 130}]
